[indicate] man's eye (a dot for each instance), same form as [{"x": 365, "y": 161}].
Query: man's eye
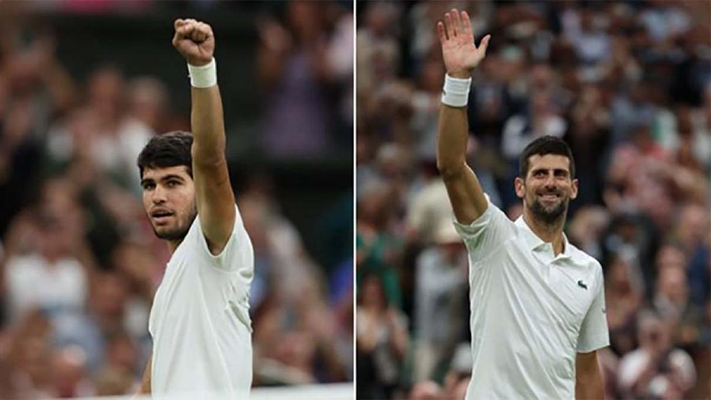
[
  {"x": 172, "y": 183},
  {"x": 148, "y": 186}
]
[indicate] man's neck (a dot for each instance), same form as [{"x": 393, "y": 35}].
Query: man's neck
[
  {"x": 549, "y": 233},
  {"x": 173, "y": 244}
]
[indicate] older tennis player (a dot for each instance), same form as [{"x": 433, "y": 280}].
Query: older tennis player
[{"x": 537, "y": 302}]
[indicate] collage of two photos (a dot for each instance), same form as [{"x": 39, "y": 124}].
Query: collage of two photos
[{"x": 376, "y": 200}]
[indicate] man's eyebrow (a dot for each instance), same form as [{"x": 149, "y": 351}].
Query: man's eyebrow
[
  {"x": 146, "y": 180},
  {"x": 536, "y": 169},
  {"x": 172, "y": 176}
]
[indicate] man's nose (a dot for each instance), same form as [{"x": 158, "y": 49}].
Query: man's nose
[
  {"x": 550, "y": 181},
  {"x": 158, "y": 195}
]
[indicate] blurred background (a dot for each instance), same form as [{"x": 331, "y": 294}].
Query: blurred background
[
  {"x": 83, "y": 86},
  {"x": 628, "y": 86}
]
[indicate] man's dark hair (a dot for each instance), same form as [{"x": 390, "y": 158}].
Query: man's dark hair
[
  {"x": 167, "y": 150},
  {"x": 542, "y": 146}
]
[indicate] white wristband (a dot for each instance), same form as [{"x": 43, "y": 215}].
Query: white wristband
[
  {"x": 455, "y": 92},
  {"x": 203, "y": 76}
]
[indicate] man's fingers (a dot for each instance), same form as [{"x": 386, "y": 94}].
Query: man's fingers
[
  {"x": 466, "y": 25},
  {"x": 456, "y": 22},
  {"x": 484, "y": 44},
  {"x": 202, "y": 31},
  {"x": 440, "y": 32},
  {"x": 192, "y": 30},
  {"x": 185, "y": 30},
  {"x": 203, "y": 27},
  {"x": 448, "y": 24}
]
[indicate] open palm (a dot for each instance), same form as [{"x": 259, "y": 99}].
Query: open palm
[{"x": 460, "y": 54}]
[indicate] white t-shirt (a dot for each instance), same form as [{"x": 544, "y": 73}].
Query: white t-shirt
[
  {"x": 530, "y": 310},
  {"x": 200, "y": 322}
]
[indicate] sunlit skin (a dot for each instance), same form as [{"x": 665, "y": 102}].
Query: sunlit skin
[
  {"x": 546, "y": 191},
  {"x": 169, "y": 201}
]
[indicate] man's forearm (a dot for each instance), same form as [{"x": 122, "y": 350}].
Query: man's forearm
[
  {"x": 590, "y": 386},
  {"x": 452, "y": 139},
  {"x": 207, "y": 125}
]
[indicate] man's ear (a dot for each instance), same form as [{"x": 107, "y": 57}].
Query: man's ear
[
  {"x": 520, "y": 187},
  {"x": 574, "y": 189}
]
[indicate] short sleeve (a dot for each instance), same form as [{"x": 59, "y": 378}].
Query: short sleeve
[
  {"x": 593, "y": 332},
  {"x": 486, "y": 234},
  {"x": 237, "y": 255}
]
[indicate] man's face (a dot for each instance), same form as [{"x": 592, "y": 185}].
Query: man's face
[
  {"x": 169, "y": 201},
  {"x": 547, "y": 188}
]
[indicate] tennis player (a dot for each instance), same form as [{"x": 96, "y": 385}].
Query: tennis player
[
  {"x": 537, "y": 302},
  {"x": 199, "y": 321}
]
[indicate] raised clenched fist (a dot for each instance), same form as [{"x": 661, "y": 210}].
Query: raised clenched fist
[
  {"x": 194, "y": 41},
  {"x": 460, "y": 54}
]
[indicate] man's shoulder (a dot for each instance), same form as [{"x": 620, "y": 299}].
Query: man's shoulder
[{"x": 237, "y": 253}]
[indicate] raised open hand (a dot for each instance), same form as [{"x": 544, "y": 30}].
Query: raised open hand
[
  {"x": 194, "y": 41},
  {"x": 460, "y": 54}
]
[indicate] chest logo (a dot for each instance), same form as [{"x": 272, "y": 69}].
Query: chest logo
[{"x": 582, "y": 285}]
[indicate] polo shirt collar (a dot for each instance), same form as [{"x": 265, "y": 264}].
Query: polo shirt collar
[{"x": 533, "y": 241}]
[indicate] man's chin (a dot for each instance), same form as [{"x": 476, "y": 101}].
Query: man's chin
[
  {"x": 170, "y": 234},
  {"x": 549, "y": 214}
]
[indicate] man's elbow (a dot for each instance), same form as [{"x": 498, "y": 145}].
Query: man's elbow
[{"x": 450, "y": 169}]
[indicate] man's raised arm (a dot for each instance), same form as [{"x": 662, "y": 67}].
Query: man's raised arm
[
  {"x": 461, "y": 56},
  {"x": 215, "y": 199}
]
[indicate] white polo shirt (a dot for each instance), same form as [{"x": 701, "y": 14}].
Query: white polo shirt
[
  {"x": 200, "y": 324},
  {"x": 531, "y": 311}
]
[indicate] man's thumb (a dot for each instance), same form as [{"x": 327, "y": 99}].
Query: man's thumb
[{"x": 484, "y": 43}]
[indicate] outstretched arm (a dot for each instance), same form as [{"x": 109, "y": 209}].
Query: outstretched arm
[
  {"x": 461, "y": 56},
  {"x": 215, "y": 199}
]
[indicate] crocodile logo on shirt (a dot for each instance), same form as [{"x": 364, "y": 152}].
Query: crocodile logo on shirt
[{"x": 582, "y": 285}]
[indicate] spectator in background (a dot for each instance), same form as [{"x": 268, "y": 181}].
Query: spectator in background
[
  {"x": 47, "y": 267},
  {"x": 112, "y": 137},
  {"x": 624, "y": 296},
  {"x": 672, "y": 302},
  {"x": 439, "y": 298},
  {"x": 69, "y": 378},
  {"x": 382, "y": 341},
  {"x": 377, "y": 246},
  {"x": 692, "y": 231},
  {"x": 542, "y": 120},
  {"x": 297, "y": 73},
  {"x": 657, "y": 369}
]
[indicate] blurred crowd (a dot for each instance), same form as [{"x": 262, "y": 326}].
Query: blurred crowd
[
  {"x": 79, "y": 262},
  {"x": 627, "y": 85}
]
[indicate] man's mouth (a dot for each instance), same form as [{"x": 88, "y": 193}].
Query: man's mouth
[
  {"x": 549, "y": 196},
  {"x": 161, "y": 215}
]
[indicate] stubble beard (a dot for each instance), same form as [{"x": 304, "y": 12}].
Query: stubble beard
[
  {"x": 180, "y": 231},
  {"x": 549, "y": 215}
]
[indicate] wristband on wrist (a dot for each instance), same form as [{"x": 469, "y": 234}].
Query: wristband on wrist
[
  {"x": 455, "y": 92},
  {"x": 203, "y": 76}
]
